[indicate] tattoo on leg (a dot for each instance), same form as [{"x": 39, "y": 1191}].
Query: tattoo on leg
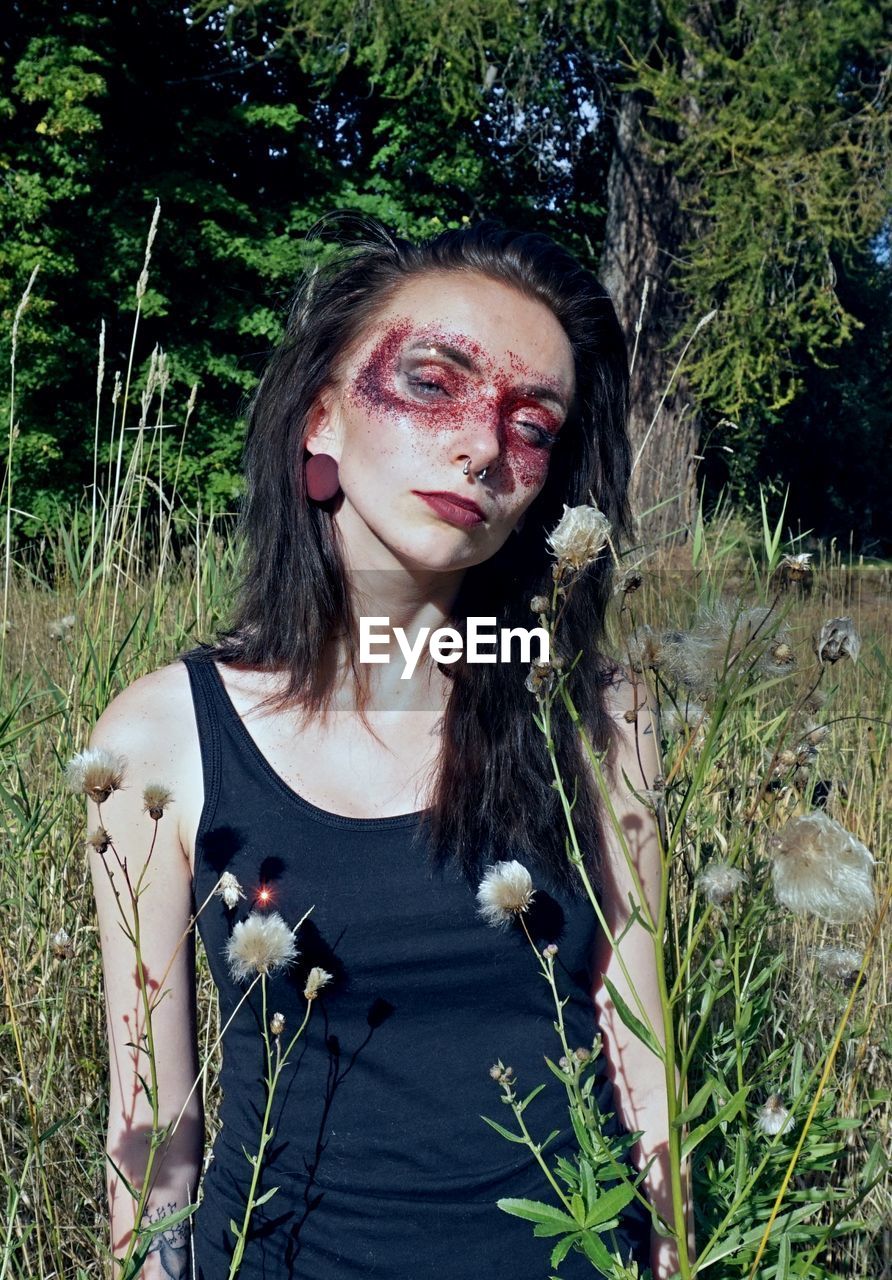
[{"x": 171, "y": 1246}]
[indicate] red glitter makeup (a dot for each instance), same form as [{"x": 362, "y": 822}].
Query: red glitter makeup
[{"x": 455, "y": 382}]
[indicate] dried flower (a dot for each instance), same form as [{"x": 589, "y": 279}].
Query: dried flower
[
  {"x": 261, "y": 944},
  {"x": 550, "y": 951},
  {"x": 155, "y": 800},
  {"x": 628, "y": 583},
  {"x": 579, "y": 536},
  {"x": 540, "y": 604},
  {"x": 838, "y": 962},
  {"x": 316, "y": 979},
  {"x": 773, "y": 1117},
  {"x": 60, "y": 628},
  {"x": 718, "y": 881},
  {"x": 99, "y": 840},
  {"x": 541, "y": 678},
  {"x": 838, "y": 639},
  {"x": 229, "y": 889},
  {"x": 61, "y": 945},
  {"x": 96, "y": 773},
  {"x": 582, "y": 1054},
  {"x": 505, "y": 890},
  {"x": 495, "y": 1071},
  {"x": 676, "y": 718},
  {"x": 645, "y": 649},
  {"x": 504, "y": 1075},
  {"x": 726, "y": 633},
  {"x": 795, "y": 568},
  {"x": 277, "y": 1024},
  {"x": 820, "y": 867}
]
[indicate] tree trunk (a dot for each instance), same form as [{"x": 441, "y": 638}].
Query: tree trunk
[{"x": 645, "y": 228}]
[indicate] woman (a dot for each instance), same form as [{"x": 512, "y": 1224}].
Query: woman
[{"x": 486, "y": 365}]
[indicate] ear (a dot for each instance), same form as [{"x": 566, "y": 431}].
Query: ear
[{"x": 324, "y": 428}]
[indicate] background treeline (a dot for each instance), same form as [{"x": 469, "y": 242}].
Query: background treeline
[{"x": 729, "y": 158}]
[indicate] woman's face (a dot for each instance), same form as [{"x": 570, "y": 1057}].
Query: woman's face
[{"x": 457, "y": 369}]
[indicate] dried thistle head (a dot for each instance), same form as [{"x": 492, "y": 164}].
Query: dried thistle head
[
  {"x": 261, "y": 944},
  {"x": 719, "y": 880},
  {"x": 579, "y": 536},
  {"x": 773, "y": 1117},
  {"x": 540, "y": 604},
  {"x": 795, "y": 568},
  {"x": 229, "y": 889},
  {"x": 505, "y": 891},
  {"x": 819, "y": 867},
  {"x": 644, "y": 648},
  {"x": 60, "y": 628},
  {"x": 99, "y": 840},
  {"x": 96, "y": 773},
  {"x": 277, "y": 1024},
  {"x": 155, "y": 800},
  {"x": 839, "y": 963},
  {"x": 316, "y": 979},
  {"x": 838, "y": 639},
  {"x": 61, "y": 945},
  {"x": 540, "y": 678}
]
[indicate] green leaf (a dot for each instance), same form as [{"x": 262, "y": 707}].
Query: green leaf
[
  {"x": 561, "y": 1249},
  {"x": 529, "y": 1098},
  {"x": 512, "y": 1137},
  {"x": 267, "y": 1195},
  {"x": 537, "y": 1211},
  {"x": 696, "y": 1104},
  {"x": 727, "y": 1112},
  {"x": 634, "y": 1024},
  {"x": 595, "y": 1251},
  {"x": 609, "y": 1204},
  {"x": 164, "y": 1224}
]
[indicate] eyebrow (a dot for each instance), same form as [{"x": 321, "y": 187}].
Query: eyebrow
[{"x": 464, "y": 361}]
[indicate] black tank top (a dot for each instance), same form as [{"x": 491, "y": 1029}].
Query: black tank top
[{"x": 383, "y": 1164}]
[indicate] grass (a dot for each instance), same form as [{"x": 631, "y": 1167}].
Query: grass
[{"x": 129, "y": 618}]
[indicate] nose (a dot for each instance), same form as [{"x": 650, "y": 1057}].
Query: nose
[{"x": 479, "y": 438}]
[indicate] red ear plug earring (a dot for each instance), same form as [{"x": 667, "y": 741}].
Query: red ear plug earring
[{"x": 321, "y": 471}]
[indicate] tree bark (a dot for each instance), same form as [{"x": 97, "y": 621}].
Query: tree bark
[{"x": 644, "y": 229}]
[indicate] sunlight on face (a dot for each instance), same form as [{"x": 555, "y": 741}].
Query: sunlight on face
[{"x": 457, "y": 369}]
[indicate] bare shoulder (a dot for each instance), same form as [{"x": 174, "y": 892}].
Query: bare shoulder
[
  {"x": 152, "y": 725},
  {"x": 154, "y": 709}
]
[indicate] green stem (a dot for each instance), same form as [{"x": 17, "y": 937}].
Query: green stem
[{"x": 272, "y": 1077}]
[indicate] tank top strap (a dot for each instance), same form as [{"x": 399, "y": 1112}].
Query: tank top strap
[{"x": 205, "y": 688}]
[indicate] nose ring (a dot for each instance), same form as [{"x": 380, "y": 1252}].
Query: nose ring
[{"x": 480, "y": 474}]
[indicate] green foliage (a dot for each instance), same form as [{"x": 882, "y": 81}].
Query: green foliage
[{"x": 774, "y": 117}]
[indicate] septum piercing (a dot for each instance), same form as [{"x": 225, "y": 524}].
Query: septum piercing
[{"x": 480, "y": 474}]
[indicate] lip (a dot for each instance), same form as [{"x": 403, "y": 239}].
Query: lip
[{"x": 452, "y": 507}]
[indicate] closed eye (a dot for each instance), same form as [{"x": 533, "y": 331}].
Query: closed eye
[{"x": 420, "y": 384}]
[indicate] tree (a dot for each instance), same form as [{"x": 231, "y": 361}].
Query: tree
[{"x": 749, "y": 149}]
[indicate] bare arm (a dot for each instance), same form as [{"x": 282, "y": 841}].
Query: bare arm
[
  {"x": 141, "y": 725},
  {"x": 638, "y": 1075}
]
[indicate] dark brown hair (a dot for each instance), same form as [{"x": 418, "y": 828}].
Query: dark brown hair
[{"x": 492, "y": 795}]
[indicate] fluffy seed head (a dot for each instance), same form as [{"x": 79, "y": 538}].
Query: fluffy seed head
[
  {"x": 99, "y": 840},
  {"x": 820, "y": 867},
  {"x": 96, "y": 773},
  {"x": 540, "y": 604},
  {"x": 229, "y": 889},
  {"x": 505, "y": 890},
  {"x": 718, "y": 881},
  {"x": 841, "y": 963},
  {"x": 277, "y": 1024},
  {"x": 579, "y": 536},
  {"x": 316, "y": 979},
  {"x": 59, "y": 629},
  {"x": 773, "y": 1117},
  {"x": 61, "y": 945},
  {"x": 261, "y": 944},
  {"x": 795, "y": 568},
  {"x": 155, "y": 800},
  {"x": 838, "y": 639}
]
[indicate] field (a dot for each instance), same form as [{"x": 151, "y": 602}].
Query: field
[{"x": 84, "y": 616}]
